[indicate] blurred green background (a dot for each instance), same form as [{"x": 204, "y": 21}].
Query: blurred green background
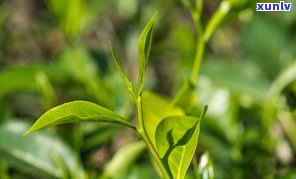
[{"x": 53, "y": 52}]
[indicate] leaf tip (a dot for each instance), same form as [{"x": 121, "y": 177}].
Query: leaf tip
[
  {"x": 27, "y": 133},
  {"x": 110, "y": 45},
  {"x": 31, "y": 130},
  {"x": 205, "y": 109}
]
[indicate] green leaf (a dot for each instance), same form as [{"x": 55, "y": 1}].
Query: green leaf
[
  {"x": 70, "y": 15},
  {"x": 144, "y": 46},
  {"x": 176, "y": 140},
  {"x": 23, "y": 78},
  {"x": 156, "y": 108},
  {"x": 186, "y": 97},
  {"x": 77, "y": 111},
  {"x": 267, "y": 44},
  {"x": 97, "y": 135},
  {"x": 143, "y": 171},
  {"x": 80, "y": 67},
  {"x": 123, "y": 74},
  {"x": 19, "y": 78},
  {"x": 60, "y": 163},
  {"x": 122, "y": 159},
  {"x": 46, "y": 90},
  {"x": 242, "y": 78},
  {"x": 32, "y": 155}
]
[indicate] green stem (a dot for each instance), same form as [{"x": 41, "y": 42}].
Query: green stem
[
  {"x": 217, "y": 19},
  {"x": 143, "y": 133},
  {"x": 203, "y": 37},
  {"x": 200, "y": 46},
  {"x": 197, "y": 59}
]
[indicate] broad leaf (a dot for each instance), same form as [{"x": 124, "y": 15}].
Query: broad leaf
[
  {"x": 176, "y": 140},
  {"x": 77, "y": 111},
  {"x": 236, "y": 76},
  {"x": 266, "y": 45},
  {"x": 97, "y": 135},
  {"x": 23, "y": 78},
  {"x": 144, "y": 50},
  {"x": 17, "y": 79},
  {"x": 185, "y": 98},
  {"x": 32, "y": 154},
  {"x": 156, "y": 108}
]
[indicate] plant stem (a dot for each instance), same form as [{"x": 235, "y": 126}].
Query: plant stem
[
  {"x": 200, "y": 46},
  {"x": 217, "y": 19},
  {"x": 203, "y": 36},
  {"x": 143, "y": 133},
  {"x": 197, "y": 60}
]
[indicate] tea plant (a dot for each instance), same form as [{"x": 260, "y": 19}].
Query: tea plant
[
  {"x": 169, "y": 128},
  {"x": 171, "y": 136}
]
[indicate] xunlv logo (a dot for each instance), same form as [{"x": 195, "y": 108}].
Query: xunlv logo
[{"x": 281, "y": 6}]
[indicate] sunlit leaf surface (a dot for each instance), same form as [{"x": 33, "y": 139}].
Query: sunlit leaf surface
[
  {"x": 76, "y": 111},
  {"x": 176, "y": 140}
]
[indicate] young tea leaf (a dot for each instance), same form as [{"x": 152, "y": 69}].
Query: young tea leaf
[
  {"x": 144, "y": 50},
  {"x": 176, "y": 140},
  {"x": 77, "y": 111},
  {"x": 122, "y": 73}
]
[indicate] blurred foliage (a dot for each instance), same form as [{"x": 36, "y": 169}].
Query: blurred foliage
[{"x": 53, "y": 52}]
